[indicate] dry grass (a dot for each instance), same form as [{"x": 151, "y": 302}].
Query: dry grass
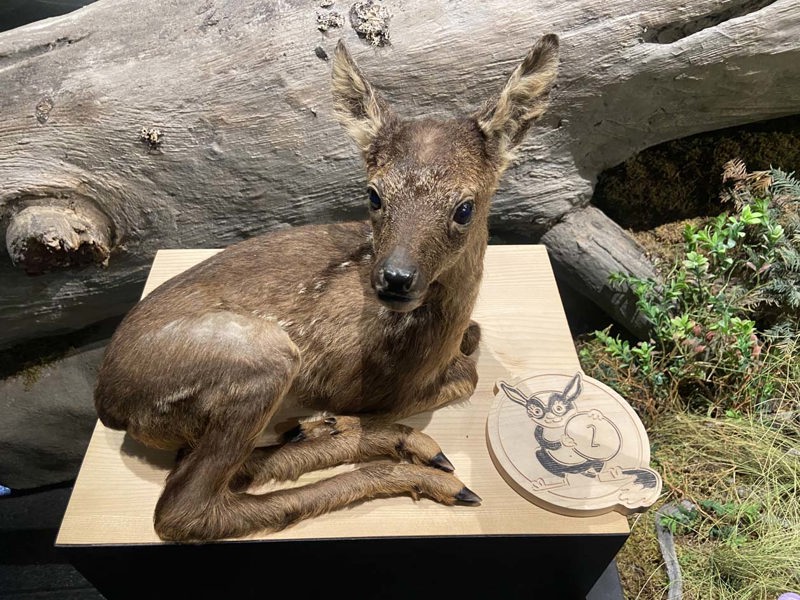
[{"x": 743, "y": 475}]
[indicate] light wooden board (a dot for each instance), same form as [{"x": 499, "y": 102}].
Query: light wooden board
[
  {"x": 524, "y": 327},
  {"x": 571, "y": 444}
]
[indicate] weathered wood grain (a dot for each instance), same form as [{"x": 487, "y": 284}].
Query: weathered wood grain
[{"x": 239, "y": 91}]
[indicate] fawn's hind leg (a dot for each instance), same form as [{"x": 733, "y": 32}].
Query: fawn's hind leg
[{"x": 238, "y": 393}]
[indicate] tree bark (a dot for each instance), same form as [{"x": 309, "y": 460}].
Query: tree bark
[{"x": 180, "y": 124}]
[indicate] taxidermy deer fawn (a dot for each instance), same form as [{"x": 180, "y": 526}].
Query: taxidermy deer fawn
[{"x": 367, "y": 322}]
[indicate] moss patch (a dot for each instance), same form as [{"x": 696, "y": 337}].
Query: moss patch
[
  {"x": 681, "y": 179},
  {"x": 664, "y": 243}
]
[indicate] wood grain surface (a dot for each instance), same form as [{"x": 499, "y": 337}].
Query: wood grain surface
[{"x": 524, "y": 327}]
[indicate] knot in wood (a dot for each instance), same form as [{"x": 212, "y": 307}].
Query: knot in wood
[{"x": 43, "y": 238}]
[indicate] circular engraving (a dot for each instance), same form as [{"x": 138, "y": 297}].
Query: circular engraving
[
  {"x": 572, "y": 444},
  {"x": 594, "y": 435}
]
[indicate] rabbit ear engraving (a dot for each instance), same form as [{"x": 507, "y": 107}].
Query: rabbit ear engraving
[
  {"x": 583, "y": 452},
  {"x": 574, "y": 388},
  {"x": 514, "y": 394}
]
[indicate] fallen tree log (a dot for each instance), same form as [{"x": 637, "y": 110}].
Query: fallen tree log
[{"x": 195, "y": 125}]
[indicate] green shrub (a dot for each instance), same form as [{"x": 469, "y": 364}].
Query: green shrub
[{"x": 725, "y": 315}]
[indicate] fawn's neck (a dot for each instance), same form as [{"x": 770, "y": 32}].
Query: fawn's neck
[{"x": 457, "y": 288}]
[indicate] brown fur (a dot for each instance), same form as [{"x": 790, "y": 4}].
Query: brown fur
[{"x": 204, "y": 362}]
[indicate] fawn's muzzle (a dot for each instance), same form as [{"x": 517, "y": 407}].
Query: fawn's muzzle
[{"x": 398, "y": 282}]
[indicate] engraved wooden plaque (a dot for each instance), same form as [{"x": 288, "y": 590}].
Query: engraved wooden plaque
[{"x": 571, "y": 444}]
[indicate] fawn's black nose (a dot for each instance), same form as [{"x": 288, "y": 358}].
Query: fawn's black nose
[
  {"x": 398, "y": 283},
  {"x": 398, "y": 280}
]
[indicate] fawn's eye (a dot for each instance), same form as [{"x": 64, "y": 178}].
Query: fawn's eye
[
  {"x": 375, "y": 202},
  {"x": 558, "y": 408},
  {"x": 463, "y": 214}
]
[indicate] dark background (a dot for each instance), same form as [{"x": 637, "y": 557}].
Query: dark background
[{"x": 14, "y": 13}]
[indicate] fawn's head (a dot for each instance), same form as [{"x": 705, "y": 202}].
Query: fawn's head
[{"x": 430, "y": 182}]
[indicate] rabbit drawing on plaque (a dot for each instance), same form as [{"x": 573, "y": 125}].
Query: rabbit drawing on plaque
[{"x": 575, "y": 442}]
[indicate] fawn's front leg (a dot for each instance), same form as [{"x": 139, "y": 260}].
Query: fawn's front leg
[{"x": 336, "y": 440}]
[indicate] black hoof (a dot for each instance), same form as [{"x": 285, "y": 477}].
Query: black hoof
[
  {"x": 468, "y": 497},
  {"x": 440, "y": 462},
  {"x": 295, "y": 434}
]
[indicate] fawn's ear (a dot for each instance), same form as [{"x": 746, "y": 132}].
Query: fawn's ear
[
  {"x": 359, "y": 109},
  {"x": 524, "y": 98}
]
